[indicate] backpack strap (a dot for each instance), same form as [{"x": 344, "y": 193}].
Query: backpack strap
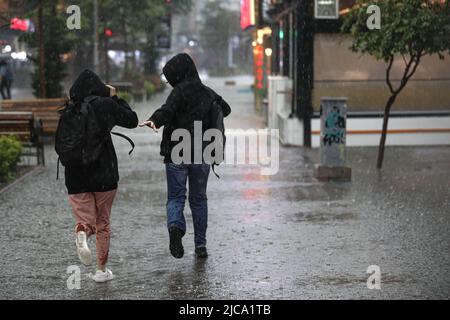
[
  {"x": 89, "y": 99},
  {"x": 57, "y": 169},
  {"x": 126, "y": 138},
  {"x": 213, "y": 169}
]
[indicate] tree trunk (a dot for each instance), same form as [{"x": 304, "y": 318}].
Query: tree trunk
[
  {"x": 125, "y": 44},
  {"x": 387, "y": 111},
  {"x": 42, "y": 91},
  {"x": 150, "y": 55},
  {"x": 96, "y": 38},
  {"x": 106, "y": 57},
  {"x": 133, "y": 52}
]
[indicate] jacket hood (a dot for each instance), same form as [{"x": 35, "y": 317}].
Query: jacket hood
[
  {"x": 180, "y": 68},
  {"x": 87, "y": 84}
]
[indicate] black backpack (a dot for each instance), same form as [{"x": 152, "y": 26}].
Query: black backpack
[{"x": 79, "y": 140}]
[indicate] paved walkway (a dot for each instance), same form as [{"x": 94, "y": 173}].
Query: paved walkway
[{"x": 280, "y": 237}]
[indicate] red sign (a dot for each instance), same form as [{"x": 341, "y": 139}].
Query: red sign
[
  {"x": 259, "y": 66},
  {"x": 247, "y": 13},
  {"x": 19, "y": 24},
  {"x": 108, "y": 32}
]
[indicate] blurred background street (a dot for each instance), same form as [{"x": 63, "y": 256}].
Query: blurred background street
[
  {"x": 286, "y": 236},
  {"x": 278, "y": 63}
]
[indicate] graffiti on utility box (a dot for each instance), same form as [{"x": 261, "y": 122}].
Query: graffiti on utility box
[
  {"x": 333, "y": 114},
  {"x": 334, "y": 127}
]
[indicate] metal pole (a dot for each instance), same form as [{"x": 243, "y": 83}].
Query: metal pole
[
  {"x": 106, "y": 59},
  {"x": 305, "y": 61},
  {"x": 42, "y": 91},
  {"x": 230, "y": 52},
  {"x": 96, "y": 58}
]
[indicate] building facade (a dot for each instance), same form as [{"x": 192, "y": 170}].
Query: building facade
[{"x": 313, "y": 57}]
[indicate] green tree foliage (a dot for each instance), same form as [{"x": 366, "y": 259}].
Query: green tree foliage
[
  {"x": 129, "y": 20},
  {"x": 410, "y": 29},
  {"x": 10, "y": 151},
  {"x": 218, "y": 26},
  {"x": 57, "y": 41},
  {"x": 152, "y": 14},
  {"x": 181, "y": 6}
]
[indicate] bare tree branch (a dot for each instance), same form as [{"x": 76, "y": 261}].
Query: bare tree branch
[
  {"x": 405, "y": 75},
  {"x": 414, "y": 69},
  {"x": 414, "y": 60},
  {"x": 404, "y": 59},
  {"x": 388, "y": 74}
]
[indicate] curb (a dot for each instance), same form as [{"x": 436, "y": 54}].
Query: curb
[{"x": 30, "y": 173}]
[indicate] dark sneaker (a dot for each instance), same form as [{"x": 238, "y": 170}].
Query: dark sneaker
[
  {"x": 201, "y": 252},
  {"x": 176, "y": 245}
]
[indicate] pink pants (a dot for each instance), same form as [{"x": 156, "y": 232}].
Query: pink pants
[{"x": 92, "y": 213}]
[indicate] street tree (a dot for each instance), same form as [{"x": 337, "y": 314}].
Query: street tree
[
  {"x": 148, "y": 21},
  {"x": 410, "y": 29},
  {"x": 218, "y": 26},
  {"x": 131, "y": 19},
  {"x": 51, "y": 42}
]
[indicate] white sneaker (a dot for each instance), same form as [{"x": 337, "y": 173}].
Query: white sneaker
[
  {"x": 101, "y": 276},
  {"x": 82, "y": 249}
]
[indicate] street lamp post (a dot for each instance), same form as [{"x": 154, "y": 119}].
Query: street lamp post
[
  {"x": 42, "y": 91},
  {"x": 96, "y": 58}
]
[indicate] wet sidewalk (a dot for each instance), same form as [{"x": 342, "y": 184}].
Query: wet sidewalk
[{"x": 285, "y": 236}]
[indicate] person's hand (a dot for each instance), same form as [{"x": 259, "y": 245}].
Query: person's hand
[
  {"x": 112, "y": 90},
  {"x": 149, "y": 124}
]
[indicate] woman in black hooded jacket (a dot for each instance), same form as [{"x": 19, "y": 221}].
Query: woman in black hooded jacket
[{"x": 92, "y": 188}]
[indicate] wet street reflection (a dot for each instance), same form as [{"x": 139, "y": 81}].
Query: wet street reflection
[{"x": 285, "y": 236}]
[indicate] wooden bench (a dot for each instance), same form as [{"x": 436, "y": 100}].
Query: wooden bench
[
  {"x": 27, "y": 129},
  {"x": 45, "y": 110},
  {"x": 123, "y": 86}
]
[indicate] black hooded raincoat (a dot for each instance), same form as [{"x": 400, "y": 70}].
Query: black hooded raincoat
[
  {"x": 189, "y": 101},
  {"x": 103, "y": 175}
]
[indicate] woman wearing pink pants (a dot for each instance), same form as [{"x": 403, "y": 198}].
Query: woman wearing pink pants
[
  {"x": 92, "y": 212},
  {"x": 92, "y": 188}
]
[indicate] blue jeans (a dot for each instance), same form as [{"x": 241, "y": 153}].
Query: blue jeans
[{"x": 177, "y": 176}]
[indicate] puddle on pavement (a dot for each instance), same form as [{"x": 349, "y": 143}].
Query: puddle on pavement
[
  {"x": 320, "y": 217},
  {"x": 349, "y": 280}
]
